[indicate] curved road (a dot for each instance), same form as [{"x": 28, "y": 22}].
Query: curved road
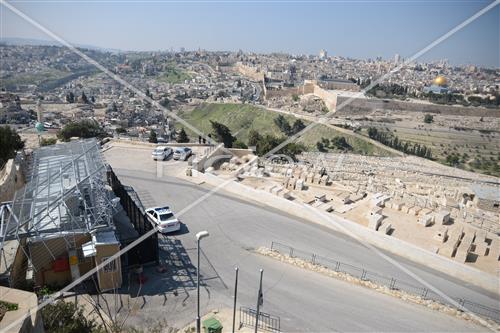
[{"x": 305, "y": 301}]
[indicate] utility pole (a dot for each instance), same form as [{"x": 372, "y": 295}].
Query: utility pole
[
  {"x": 235, "y": 295},
  {"x": 260, "y": 301},
  {"x": 199, "y": 237}
]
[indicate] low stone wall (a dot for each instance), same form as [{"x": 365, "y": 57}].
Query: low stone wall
[
  {"x": 26, "y": 318},
  {"x": 11, "y": 179},
  {"x": 360, "y": 106},
  {"x": 215, "y": 157},
  {"x": 240, "y": 152},
  {"x": 361, "y": 233},
  {"x": 154, "y": 145},
  {"x": 412, "y": 298}
]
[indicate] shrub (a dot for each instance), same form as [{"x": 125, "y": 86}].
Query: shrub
[
  {"x": 428, "y": 118},
  {"x": 239, "y": 144},
  {"x": 182, "y": 137},
  {"x": 48, "y": 141},
  {"x": 121, "y": 130},
  {"x": 152, "y": 137},
  {"x": 83, "y": 129},
  {"x": 10, "y": 142},
  {"x": 66, "y": 317}
]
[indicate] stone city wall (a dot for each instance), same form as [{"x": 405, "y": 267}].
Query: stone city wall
[
  {"x": 360, "y": 106},
  {"x": 328, "y": 96},
  {"x": 284, "y": 92},
  {"x": 250, "y": 72},
  {"x": 309, "y": 87}
]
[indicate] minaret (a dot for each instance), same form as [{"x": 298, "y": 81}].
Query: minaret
[{"x": 39, "y": 111}]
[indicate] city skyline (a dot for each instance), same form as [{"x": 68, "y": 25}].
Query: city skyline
[
  {"x": 288, "y": 27},
  {"x": 148, "y": 189}
]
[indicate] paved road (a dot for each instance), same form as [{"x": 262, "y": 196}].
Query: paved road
[{"x": 305, "y": 301}]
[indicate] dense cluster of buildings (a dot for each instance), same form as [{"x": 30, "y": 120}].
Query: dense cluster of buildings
[{"x": 178, "y": 79}]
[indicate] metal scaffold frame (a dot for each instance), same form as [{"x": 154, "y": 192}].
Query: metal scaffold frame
[{"x": 65, "y": 195}]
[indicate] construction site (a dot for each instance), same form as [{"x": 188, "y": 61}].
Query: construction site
[{"x": 67, "y": 220}]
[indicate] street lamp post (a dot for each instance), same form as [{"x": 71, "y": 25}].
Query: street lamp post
[
  {"x": 260, "y": 301},
  {"x": 235, "y": 295},
  {"x": 199, "y": 237}
]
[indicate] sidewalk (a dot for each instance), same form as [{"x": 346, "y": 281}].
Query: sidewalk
[{"x": 225, "y": 316}]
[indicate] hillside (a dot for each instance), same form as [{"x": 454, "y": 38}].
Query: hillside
[{"x": 241, "y": 118}]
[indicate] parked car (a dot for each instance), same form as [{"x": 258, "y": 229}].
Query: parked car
[
  {"x": 182, "y": 153},
  {"x": 161, "y": 153},
  {"x": 164, "y": 218}
]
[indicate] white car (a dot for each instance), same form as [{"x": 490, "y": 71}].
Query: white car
[
  {"x": 161, "y": 153},
  {"x": 164, "y": 218},
  {"x": 182, "y": 153}
]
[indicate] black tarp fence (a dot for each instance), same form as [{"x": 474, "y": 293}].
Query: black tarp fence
[{"x": 146, "y": 252}]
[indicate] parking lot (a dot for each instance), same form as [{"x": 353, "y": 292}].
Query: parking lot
[{"x": 134, "y": 156}]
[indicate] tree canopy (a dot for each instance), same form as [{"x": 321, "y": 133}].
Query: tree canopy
[
  {"x": 67, "y": 317},
  {"x": 285, "y": 127},
  {"x": 153, "y": 137},
  {"x": 428, "y": 118},
  {"x": 337, "y": 142},
  {"x": 265, "y": 144},
  {"x": 223, "y": 134},
  {"x": 70, "y": 97},
  {"x": 84, "y": 129},
  {"x": 393, "y": 141},
  {"x": 182, "y": 137},
  {"x": 297, "y": 126},
  {"x": 253, "y": 137},
  {"x": 10, "y": 142},
  {"x": 85, "y": 98},
  {"x": 282, "y": 124}
]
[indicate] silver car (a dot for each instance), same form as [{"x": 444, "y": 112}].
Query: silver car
[
  {"x": 161, "y": 153},
  {"x": 182, "y": 153}
]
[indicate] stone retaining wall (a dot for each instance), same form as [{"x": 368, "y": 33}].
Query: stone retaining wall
[
  {"x": 26, "y": 318},
  {"x": 11, "y": 179},
  {"x": 360, "y": 106},
  {"x": 363, "y": 234}
]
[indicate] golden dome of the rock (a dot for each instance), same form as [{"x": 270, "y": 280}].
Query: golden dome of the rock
[{"x": 440, "y": 81}]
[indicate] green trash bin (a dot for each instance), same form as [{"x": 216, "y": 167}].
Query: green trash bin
[{"x": 212, "y": 325}]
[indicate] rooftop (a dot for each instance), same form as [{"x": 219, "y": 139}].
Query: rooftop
[{"x": 65, "y": 192}]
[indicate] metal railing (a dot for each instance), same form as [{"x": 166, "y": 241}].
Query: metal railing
[
  {"x": 391, "y": 282},
  {"x": 266, "y": 322}
]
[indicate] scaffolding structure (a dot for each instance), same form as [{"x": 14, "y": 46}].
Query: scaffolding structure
[{"x": 65, "y": 196}]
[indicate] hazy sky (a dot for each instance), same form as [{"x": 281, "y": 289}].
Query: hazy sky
[{"x": 359, "y": 29}]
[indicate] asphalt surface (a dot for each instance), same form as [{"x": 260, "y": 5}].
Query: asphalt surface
[{"x": 304, "y": 301}]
